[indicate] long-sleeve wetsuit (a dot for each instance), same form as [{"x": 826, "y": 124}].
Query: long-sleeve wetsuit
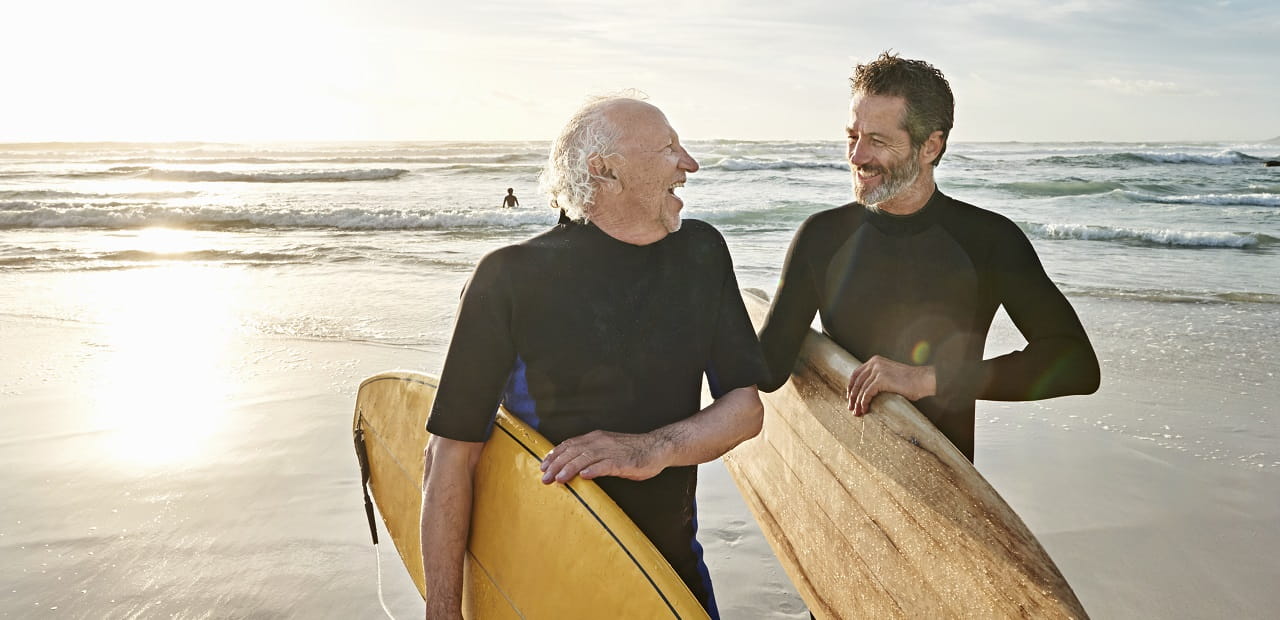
[{"x": 922, "y": 289}]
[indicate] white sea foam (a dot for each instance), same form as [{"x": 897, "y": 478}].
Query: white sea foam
[
  {"x": 254, "y": 176},
  {"x": 15, "y": 196},
  {"x": 293, "y": 159},
  {"x": 746, "y": 164},
  {"x": 1254, "y": 200},
  {"x": 1169, "y": 237},
  {"x": 134, "y": 216},
  {"x": 326, "y": 176},
  {"x": 1221, "y": 158},
  {"x": 1226, "y": 157}
]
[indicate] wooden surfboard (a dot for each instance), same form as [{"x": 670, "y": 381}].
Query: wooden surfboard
[
  {"x": 535, "y": 551},
  {"x": 880, "y": 516}
]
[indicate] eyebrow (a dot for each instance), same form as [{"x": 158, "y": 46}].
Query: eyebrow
[{"x": 849, "y": 130}]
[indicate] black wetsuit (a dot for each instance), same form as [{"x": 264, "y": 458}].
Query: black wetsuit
[
  {"x": 922, "y": 289},
  {"x": 575, "y": 331}
]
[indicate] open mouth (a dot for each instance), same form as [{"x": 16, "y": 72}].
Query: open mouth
[
  {"x": 672, "y": 190},
  {"x": 866, "y": 174}
]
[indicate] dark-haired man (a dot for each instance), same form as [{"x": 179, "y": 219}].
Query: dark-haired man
[{"x": 909, "y": 279}]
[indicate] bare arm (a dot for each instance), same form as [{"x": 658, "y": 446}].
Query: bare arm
[
  {"x": 880, "y": 374},
  {"x": 704, "y": 436},
  {"x": 446, "y": 521}
]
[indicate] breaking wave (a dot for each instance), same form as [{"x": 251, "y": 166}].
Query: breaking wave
[
  {"x": 1254, "y": 200},
  {"x": 135, "y": 216},
  {"x": 1164, "y": 237},
  {"x": 255, "y": 176},
  {"x": 1174, "y": 295},
  {"x": 748, "y": 164},
  {"x": 1221, "y": 158},
  {"x": 1066, "y": 187},
  {"x": 17, "y": 196}
]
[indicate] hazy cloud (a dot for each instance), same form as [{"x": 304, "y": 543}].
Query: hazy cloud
[{"x": 1146, "y": 87}]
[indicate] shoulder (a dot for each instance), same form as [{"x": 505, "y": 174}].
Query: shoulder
[
  {"x": 845, "y": 214},
  {"x": 531, "y": 254},
  {"x": 698, "y": 231},
  {"x": 822, "y": 232},
  {"x": 985, "y": 233},
  {"x": 964, "y": 215},
  {"x": 702, "y": 243},
  {"x": 836, "y": 221}
]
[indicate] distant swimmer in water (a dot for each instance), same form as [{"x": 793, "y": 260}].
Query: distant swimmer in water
[{"x": 510, "y": 199}]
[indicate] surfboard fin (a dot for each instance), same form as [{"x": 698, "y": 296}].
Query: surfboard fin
[{"x": 363, "y": 456}]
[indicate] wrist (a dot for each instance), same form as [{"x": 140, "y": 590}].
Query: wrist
[
  {"x": 930, "y": 382},
  {"x": 660, "y": 449}
]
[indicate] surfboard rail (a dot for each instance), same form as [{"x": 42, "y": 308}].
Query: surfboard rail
[
  {"x": 535, "y": 550},
  {"x": 880, "y": 515}
]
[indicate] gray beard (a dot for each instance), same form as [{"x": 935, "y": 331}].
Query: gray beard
[{"x": 893, "y": 181}]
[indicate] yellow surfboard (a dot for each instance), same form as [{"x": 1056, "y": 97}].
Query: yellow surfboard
[
  {"x": 535, "y": 551},
  {"x": 880, "y": 516}
]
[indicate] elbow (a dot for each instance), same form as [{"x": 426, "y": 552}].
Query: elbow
[
  {"x": 1093, "y": 380},
  {"x": 446, "y": 457},
  {"x": 775, "y": 377},
  {"x": 1087, "y": 375},
  {"x": 1090, "y": 378},
  {"x": 772, "y": 383}
]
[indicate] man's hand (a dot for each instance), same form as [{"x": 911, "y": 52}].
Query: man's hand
[
  {"x": 879, "y": 374},
  {"x": 602, "y": 453}
]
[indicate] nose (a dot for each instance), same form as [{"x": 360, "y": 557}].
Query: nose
[
  {"x": 687, "y": 162},
  {"x": 859, "y": 152}
]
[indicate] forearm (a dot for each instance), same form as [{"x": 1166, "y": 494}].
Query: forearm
[
  {"x": 713, "y": 431},
  {"x": 1059, "y": 358},
  {"x": 446, "y": 522},
  {"x": 702, "y": 437},
  {"x": 1046, "y": 368}
]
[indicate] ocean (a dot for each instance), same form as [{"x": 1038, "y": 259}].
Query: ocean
[{"x": 209, "y": 265}]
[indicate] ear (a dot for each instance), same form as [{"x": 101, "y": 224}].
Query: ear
[
  {"x": 931, "y": 148},
  {"x": 604, "y": 173}
]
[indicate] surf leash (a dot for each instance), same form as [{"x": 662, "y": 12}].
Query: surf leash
[{"x": 363, "y": 456}]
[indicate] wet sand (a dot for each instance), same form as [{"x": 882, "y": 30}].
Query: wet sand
[{"x": 142, "y": 480}]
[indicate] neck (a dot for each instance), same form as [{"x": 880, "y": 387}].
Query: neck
[
  {"x": 618, "y": 221},
  {"x": 913, "y": 197}
]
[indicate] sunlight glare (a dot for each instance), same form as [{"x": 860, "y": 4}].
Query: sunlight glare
[{"x": 167, "y": 379}]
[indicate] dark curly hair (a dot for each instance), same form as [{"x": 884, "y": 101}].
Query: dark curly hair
[{"x": 930, "y": 105}]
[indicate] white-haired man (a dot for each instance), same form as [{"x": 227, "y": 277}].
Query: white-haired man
[{"x": 598, "y": 333}]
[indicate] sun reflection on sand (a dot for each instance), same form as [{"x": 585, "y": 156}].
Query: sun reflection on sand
[
  {"x": 166, "y": 378},
  {"x": 165, "y": 240}
]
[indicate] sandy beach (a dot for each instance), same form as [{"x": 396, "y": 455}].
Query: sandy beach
[
  {"x": 175, "y": 484},
  {"x": 250, "y": 509}
]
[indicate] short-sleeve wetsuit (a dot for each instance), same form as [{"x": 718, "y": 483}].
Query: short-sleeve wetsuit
[
  {"x": 922, "y": 289},
  {"x": 575, "y": 331}
]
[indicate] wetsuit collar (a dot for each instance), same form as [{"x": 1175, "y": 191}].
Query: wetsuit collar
[
  {"x": 908, "y": 224},
  {"x": 601, "y": 239}
]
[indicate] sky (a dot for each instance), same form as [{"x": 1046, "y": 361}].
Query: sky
[{"x": 316, "y": 70}]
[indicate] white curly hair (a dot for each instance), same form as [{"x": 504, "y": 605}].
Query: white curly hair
[{"x": 567, "y": 179}]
